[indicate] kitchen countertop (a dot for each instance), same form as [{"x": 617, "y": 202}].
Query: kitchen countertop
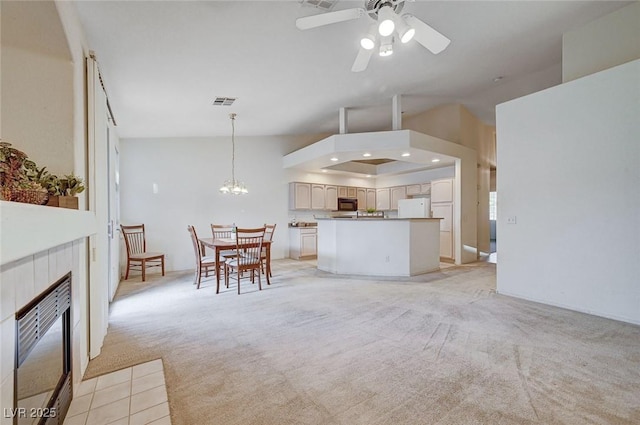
[{"x": 303, "y": 224}]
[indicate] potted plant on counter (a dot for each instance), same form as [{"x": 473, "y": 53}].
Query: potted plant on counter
[
  {"x": 22, "y": 181},
  {"x": 16, "y": 183},
  {"x": 63, "y": 191}
]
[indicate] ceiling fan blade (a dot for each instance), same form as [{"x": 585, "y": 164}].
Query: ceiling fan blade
[
  {"x": 427, "y": 36},
  {"x": 362, "y": 60},
  {"x": 314, "y": 21}
]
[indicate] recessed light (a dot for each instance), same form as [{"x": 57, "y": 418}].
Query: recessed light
[
  {"x": 435, "y": 160},
  {"x": 334, "y": 159},
  {"x": 368, "y": 175},
  {"x": 324, "y": 171},
  {"x": 366, "y": 154},
  {"x": 406, "y": 154}
]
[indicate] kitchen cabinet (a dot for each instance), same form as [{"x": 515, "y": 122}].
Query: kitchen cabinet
[
  {"x": 397, "y": 193},
  {"x": 371, "y": 199},
  {"x": 413, "y": 189},
  {"x": 299, "y": 196},
  {"x": 425, "y": 188},
  {"x": 303, "y": 242},
  {"x": 361, "y": 196},
  {"x": 442, "y": 190},
  {"x": 444, "y": 210},
  {"x": 383, "y": 200},
  {"x": 443, "y": 206},
  {"x": 317, "y": 197},
  {"x": 331, "y": 198},
  {"x": 347, "y": 192}
]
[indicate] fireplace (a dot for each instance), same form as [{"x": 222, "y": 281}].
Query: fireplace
[{"x": 42, "y": 377}]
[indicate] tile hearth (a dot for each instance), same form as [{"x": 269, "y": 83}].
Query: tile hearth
[{"x": 135, "y": 395}]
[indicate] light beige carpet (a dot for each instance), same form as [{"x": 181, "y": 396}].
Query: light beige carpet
[{"x": 442, "y": 348}]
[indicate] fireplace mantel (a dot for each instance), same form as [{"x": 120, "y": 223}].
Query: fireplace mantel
[{"x": 27, "y": 229}]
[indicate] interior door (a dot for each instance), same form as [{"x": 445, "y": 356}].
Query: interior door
[
  {"x": 97, "y": 193},
  {"x": 113, "y": 177}
]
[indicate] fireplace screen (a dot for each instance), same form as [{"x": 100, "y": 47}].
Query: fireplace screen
[{"x": 43, "y": 354}]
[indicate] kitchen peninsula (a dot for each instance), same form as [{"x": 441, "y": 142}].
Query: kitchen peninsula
[{"x": 379, "y": 246}]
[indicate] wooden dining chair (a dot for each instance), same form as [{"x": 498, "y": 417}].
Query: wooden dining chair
[
  {"x": 203, "y": 263},
  {"x": 268, "y": 236},
  {"x": 249, "y": 243},
  {"x": 137, "y": 255},
  {"x": 224, "y": 231}
]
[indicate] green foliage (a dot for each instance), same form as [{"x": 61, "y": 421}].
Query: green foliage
[{"x": 19, "y": 172}]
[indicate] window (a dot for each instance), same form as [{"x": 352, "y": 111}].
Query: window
[{"x": 492, "y": 206}]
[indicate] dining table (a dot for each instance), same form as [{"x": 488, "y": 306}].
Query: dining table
[{"x": 226, "y": 244}]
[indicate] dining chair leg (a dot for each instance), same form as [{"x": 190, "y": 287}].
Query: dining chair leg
[
  {"x": 238, "y": 275},
  {"x": 259, "y": 282},
  {"x": 144, "y": 269},
  {"x": 162, "y": 265},
  {"x": 226, "y": 276}
]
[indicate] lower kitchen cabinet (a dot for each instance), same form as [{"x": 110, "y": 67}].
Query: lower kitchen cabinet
[{"x": 303, "y": 243}]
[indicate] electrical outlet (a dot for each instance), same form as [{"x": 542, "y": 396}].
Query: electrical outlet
[
  {"x": 386, "y": 260},
  {"x": 511, "y": 220}
]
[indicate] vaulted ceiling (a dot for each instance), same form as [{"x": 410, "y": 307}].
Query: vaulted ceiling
[{"x": 164, "y": 63}]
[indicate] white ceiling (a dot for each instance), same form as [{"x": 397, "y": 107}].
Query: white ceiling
[{"x": 165, "y": 61}]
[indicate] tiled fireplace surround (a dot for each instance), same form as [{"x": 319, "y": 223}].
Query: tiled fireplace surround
[{"x": 62, "y": 234}]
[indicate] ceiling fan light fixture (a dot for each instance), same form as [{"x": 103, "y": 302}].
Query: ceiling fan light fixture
[
  {"x": 368, "y": 42},
  {"x": 386, "y": 47},
  {"x": 385, "y": 17},
  {"x": 405, "y": 32}
]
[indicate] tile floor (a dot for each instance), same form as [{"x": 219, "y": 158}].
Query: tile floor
[{"x": 133, "y": 396}]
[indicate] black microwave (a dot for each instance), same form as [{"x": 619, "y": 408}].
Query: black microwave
[{"x": 347, "y": 204}]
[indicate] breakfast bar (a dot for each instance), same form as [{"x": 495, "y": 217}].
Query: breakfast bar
[{"x": 379, "y": 246}]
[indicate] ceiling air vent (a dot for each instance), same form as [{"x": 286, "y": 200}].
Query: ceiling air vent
[
  {"x": 224, "y": 101},
  {"x": 320, "y": 4}
]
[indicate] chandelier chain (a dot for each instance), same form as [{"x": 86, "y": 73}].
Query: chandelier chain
[{"x": 233, "y": 147}]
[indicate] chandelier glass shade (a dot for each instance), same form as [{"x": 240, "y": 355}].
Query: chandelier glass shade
[{"x": 233, "y": 186}]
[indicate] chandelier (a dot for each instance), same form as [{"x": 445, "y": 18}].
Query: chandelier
[{"x": 233, "y": 186}]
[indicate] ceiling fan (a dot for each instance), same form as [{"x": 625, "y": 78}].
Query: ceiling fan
[{"x": 388, "y": 23}]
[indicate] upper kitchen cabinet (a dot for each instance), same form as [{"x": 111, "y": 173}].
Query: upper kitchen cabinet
[
  {"x": 361, "y": 196},
  {"x": 418, "y": 189},
  {"x": 442, "y": 190},
  {"x": 331, "y": 197},
  {"x": 317, "y": 197},
  {"x": 383, "y": 199},
  {"x": 347, "y": 192},
  {"x": 371, "y": 199},
  {"x": 413, "y": 189},
  {"x": 397, "y": 193},
  {"x": 299, "y": 196}
]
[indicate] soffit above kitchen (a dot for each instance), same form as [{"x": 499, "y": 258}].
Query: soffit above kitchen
[{"x": 373, "y": 153}]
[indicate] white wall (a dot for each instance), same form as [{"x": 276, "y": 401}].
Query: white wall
[
  {"x": 569, "y": 161},
  {"x": 188, "y": 173},
  {"x": 611, "y": 40},
  {"x": 37, "y": 88}
]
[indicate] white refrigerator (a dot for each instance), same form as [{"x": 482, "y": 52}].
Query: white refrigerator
[{"x": 414, "y": 208}]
